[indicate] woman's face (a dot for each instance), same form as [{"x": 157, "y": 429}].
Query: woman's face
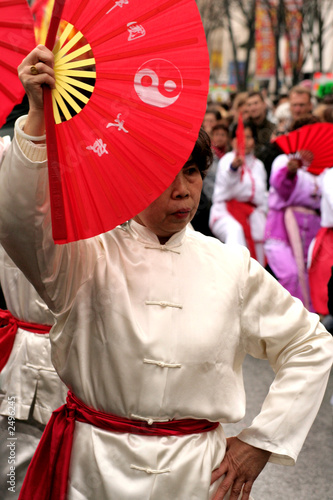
[
  {"x": 174, "y": 208},
  {"x": 220, "y": 138},
  {"x": 248, "y": 141},
  {"x": 244, "y": 110},
  {"x": 209, "y": 122}
]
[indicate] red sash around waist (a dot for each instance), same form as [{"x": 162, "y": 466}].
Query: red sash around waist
[
  {"x": 8, "y": 328},
  {"x": 47, "y": 475},
  {"x": 241, "y": 211}
]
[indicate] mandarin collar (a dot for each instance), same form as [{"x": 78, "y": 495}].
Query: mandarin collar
[{"x": 145, "y": 235}]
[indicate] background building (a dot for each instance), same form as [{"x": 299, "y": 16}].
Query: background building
[{"x": 268, "y": 43}]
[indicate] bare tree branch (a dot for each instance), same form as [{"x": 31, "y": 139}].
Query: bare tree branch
[{"x": 234, "y": 15}]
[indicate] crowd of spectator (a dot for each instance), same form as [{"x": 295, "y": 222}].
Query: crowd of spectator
[{"x": 256, "y": 195}]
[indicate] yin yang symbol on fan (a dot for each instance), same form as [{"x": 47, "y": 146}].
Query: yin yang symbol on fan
[{"x": 158, "y": 83}]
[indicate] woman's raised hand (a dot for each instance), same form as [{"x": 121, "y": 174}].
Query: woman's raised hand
[
  {"x": 35, "y": 71},
  {"x": 293, "y": 165}
]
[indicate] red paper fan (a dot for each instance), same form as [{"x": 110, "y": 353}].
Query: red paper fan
[
  {"x": 313, "y": 143},
  {"x": 17, "y": 39},
  {"x": 240, "y": 140},
  {"x": 240, "y": 136},
  {"x": 131, "y": 91}
]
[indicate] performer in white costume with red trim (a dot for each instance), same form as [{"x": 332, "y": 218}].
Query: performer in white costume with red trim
[
  {"x": 238, "y": 213},
  {"x": 153, "y": 322},
  {"x": 30, "y": 386}
]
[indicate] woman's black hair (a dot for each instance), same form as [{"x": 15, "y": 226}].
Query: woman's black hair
[
  {"x": 215, "y": 112},
  {"x": 201, "y": 155},
  {"x": 221, "y": 126},
  {"x": 249, "y": 125}
]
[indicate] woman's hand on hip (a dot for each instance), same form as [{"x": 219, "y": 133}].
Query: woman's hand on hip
[{"x": 241, "y": 466}]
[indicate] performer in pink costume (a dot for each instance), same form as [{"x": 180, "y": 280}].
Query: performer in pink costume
[{"x": 293, "y": 221}]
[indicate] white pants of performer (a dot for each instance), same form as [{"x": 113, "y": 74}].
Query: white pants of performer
[{"x": 27, "y": 436}]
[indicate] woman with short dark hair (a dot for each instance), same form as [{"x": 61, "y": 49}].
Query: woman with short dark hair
[{"x": 153, "y": 322}]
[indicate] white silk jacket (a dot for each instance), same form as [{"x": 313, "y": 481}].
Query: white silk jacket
[{"x": 156, "y": 332}]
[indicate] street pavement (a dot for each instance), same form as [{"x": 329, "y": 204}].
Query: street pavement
[{"x": 312, "y": 476}]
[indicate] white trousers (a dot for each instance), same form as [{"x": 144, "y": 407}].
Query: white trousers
[{"x": 27, "y": 436}]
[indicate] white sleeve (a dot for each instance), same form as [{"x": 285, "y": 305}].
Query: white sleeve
[
  {"x": 260, "y": 198},
  {"x": 279, "y": 162},
  {"x": 277, "y": 327},
  {"x": 26, "y": 232},
  {"x": 328, "y": 188},
  {"x": 225, "y": 179}
]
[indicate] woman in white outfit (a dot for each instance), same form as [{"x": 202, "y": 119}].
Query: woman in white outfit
[
  {"x": 31, "y": 388},
  {"x": 153, "y": 322},
  {"x": 238, "y": 213}
]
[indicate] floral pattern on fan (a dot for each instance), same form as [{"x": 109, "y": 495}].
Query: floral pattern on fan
[{"x": 118, "y": 3}]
